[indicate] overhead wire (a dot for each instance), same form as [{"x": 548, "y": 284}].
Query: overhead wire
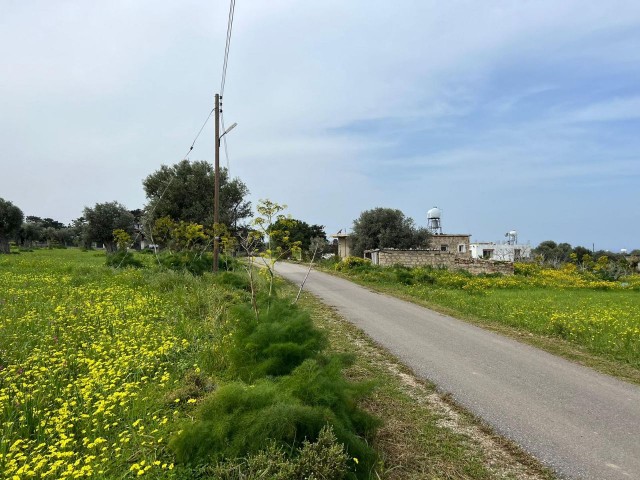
[
  {"x": 139, "y": 233},
  {"x": 204, "y": 124},
  {"x": 225, "y": 63}
]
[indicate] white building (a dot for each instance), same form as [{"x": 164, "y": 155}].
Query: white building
[{"x": 507, "y": 252}]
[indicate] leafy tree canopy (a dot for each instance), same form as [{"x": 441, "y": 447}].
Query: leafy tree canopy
[
  {"x": 386, "y": 228},
  {"x": 184, "y": 192},
  {"x": 552, "y": 252},
  {"x": 103, "y": 219},
  {"x": 10, "y": 221},
  {"x": 300, "y": 231}
]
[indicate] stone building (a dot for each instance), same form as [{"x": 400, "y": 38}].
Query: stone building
[{"x": 452, "y": 243}]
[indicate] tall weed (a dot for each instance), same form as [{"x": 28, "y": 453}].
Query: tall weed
[
  {"x": 273, "y": 344},
  {"x": 240, "y": 419}
]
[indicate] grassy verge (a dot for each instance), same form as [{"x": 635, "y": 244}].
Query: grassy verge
[
  {"x": 423, "y": 435},
  {"x": 584, "y": 319}
]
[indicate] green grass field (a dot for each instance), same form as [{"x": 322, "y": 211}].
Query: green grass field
[{"x": 600, "y": 317}]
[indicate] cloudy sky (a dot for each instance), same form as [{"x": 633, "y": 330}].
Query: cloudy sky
[{"x": 505, "y": 114}]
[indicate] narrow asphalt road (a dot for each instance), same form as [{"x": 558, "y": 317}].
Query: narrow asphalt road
[{"x": 580, "y": 423}]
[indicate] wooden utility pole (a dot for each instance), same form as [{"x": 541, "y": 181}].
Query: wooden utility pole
[{"x": 216, "y": 194}]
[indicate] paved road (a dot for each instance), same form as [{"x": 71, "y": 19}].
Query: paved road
[{"x": 582, "y": 424}]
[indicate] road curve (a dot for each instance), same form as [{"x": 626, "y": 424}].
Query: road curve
[{"x": 580, "y": 423}]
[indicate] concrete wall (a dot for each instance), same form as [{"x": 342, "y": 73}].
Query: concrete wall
[{"x": 436, "y": 258}]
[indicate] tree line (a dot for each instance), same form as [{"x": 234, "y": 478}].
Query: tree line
[{"x": 178, "y": 214}]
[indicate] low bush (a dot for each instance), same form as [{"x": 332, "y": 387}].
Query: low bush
[
  {"x": 525, "y": 269},
  {"x": 424, "y": 276},
  {"x": 239, "y": 419},
  {"x": 123, "y": 259},
  {"x": 351, "y": 263},
  {"x": 196, "y": 263},
  {"x": 275, "y": 343},
  {"x": 232, "y": 279},
  {"x": 403, "y": 276}
]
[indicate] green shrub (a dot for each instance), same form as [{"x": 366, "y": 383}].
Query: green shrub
[
  {"x": 403, "y": 276},
  {"x": 233, "y": 280},
  {"x": 321, "y": 383},
  {"x": 273, "y": 344},
  {"x": 525, "y": 269},
  {"x": 350, "y": 263},
  {"x": 239, "y": 420},
  {"x": 196, "y": 263},
  {"x": 424, "y": 275},
  {"x": 325, "y": 458},
  {"x": 123, "y": 259}
]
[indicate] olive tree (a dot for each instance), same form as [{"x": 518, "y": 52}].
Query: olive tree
[
  {"x": 10, "y": 222},
  {"x": 103, "y": 219},
  {"x": 184, "y": 192},
  {"x": 386, "y": 228}
]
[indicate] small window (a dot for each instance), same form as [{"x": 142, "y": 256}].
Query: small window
[
  {"x": 487, "y": 254},
  {"x": 462, "y": 248},
  {"x": 517, "y": 254},
  {"x": 444, "y": 248}
]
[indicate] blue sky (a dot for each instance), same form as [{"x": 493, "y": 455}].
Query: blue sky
[{"x": 506, "y": 115}]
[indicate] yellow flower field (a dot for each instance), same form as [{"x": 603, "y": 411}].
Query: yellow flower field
[{"x": 85, "y": 359}]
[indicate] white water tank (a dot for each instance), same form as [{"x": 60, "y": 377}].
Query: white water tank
[{"x": 434, "y": 213}]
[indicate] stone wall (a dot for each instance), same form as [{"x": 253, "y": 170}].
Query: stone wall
[
  {"x": 416, "y": 258},
  {"x": 436, "y": 258},
  {"x": 477, "y": 266}
]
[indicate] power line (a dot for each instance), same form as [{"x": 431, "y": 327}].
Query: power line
[
  {"x": 232, "y": 7},
  {"x": 199, "y": 132},
  {"x": 225, "y": 64}
]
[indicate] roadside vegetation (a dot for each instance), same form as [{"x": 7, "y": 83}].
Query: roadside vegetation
[
  {"x": 119, "y": 373},
  {"x": 581, "y": 307}
]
